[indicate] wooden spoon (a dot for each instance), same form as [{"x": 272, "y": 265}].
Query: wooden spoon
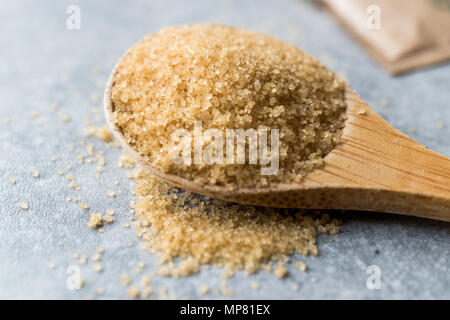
[{"x": 374, "y": 168}]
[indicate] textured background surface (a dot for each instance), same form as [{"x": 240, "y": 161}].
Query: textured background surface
[{"x": 41, "y": 62}]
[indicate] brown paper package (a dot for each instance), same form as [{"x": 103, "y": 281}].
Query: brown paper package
[{"x": 411, "y": 34}]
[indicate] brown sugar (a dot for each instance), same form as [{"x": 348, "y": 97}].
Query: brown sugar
[
  {"x": 178, "y": 224},
  {"x": 227, "y": 78}
]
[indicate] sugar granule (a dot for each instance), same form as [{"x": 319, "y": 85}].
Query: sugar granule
[
  {"x": 126, "y": 161},
  {"x": 84, "y": 206},
  {"x": 280, "y": 271},
  {"x": 98, "y": 267},
  {"x": 101, "y": 132},
  {"x": 99, "y": 290},
  {"x": 204, "y": 289},
  {"x": 110, "y": 193},
  {"x": 146, "y": 292},
  {"x": 96, "y": 220},
  {"x": 254, "y": 285},
  {"x": 145, "y": 281},
  {"x": 125, "y": 280},
  {"x": 64, "y": 118},
  {"x": 133, "y": 292},
  {"x": 301, "y": 266},
  {"x": 24, "y": 206},
  {"x": 83, "y": 259},
  {"x": 225, "y": 290},
  {"x": 108, "y": 219}
]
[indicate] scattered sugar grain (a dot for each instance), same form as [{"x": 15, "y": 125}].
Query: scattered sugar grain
[
  {"x": 90, "y": 149},
  {"x": 95, "y": 220},
  {"x": 111, "y": 193},
  {"x": 64, "y": 118},
  {"x": 35, "y": 113},
  {"x": 125, "y": 280},
  {"x": 146, "y": 292},
  {"x": 145, "y": 281},
  {"x": 225, "y": 290},
  {"x": 228, "y": 273},
  {"x": 254, "y": 285},
  {"x": 84, "y": 206},
  {"x": 280, "y": 271},
  {"x": 98, "y": 267},
  {"x": 102, "y": 133},
  {"x": 204, "y": 289},
  {"x": 24, "y": 206},
  {"x": 83, "y": 259},
  {"x": 301, "y": 266},
  {"x": 99, "y": 290}
]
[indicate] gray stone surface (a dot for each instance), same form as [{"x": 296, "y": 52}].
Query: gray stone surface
[{"x": 41, "y": 61}]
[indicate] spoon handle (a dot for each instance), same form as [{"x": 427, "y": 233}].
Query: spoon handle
[{"x": 391, "y": 172}]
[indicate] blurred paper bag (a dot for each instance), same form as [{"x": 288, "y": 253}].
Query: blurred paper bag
[{"x": 401, "y": 34}]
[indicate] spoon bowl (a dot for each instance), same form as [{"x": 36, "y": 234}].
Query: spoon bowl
[{"x": 375, "y": 167}]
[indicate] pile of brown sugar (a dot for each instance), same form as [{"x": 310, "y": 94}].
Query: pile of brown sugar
[
  {"x": 199, "y": 230},
  {"x": 227, "y": 78}
]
